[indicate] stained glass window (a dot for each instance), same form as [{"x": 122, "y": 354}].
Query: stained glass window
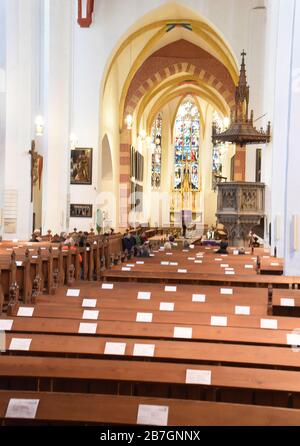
[
  {"x": 217, "y": 152},
  {"x": 187, "y": 128},
  {"x": 156, "y": 152}
]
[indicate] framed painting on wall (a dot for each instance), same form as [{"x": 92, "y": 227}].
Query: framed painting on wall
[
  {"x": 81, "y": 210},
  {"x": 81, "y": 166}
]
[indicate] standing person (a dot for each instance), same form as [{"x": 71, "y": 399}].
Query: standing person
[{"x": 183, "y": 226}]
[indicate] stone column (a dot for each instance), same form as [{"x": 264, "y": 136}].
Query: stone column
[
  {"x": 57, "y": 50},
  {"x": 18, "y": 110},
  {"x": 284, "y": 16}
]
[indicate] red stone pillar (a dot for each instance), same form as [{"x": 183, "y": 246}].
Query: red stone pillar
[
  {"x": 240, "y": 163},
  {"x": 124, "y": 188}
]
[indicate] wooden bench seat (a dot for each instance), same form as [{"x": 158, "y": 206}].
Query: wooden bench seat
[
  {"x": 149, "y": 379},
  {"x": 286, "y": 303},
  {"x": 110, "y": 409},
  {"x": 200, "y": 352},
  {"x": 195, "y": 313},
  {"x": 153, "y": 330}
]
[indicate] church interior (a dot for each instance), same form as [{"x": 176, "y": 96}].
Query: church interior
[{"x": 149, "y": 213}]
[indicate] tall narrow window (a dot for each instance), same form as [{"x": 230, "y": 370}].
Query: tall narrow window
[
  {"x": 219, "y": 149},
  {"x": 156, "y": 152},
  {"x": 258, "y": 166},
  {"x": 187, "y": 131}
]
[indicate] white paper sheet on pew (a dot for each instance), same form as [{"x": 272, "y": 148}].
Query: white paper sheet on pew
[
  {"x": 107, "y": 286},
  {"x": 6, "y": 324},
  {"x": 293, "y": 339},
  {"x": 232, "y": 273},
  {"x": 43, "y": 247},
  {"x": 269, "y": 323},
  {"x": 154, "y": 250},
  {"x": 266, "y": 257},
  {"x": 169, "y": 253},
  {"x": 144, "y": 317},
  {"x": 144, "y": 295},
  {"x": 182, "y": 271},
  {"x": 198, "y": 261},
  {"x": 174, "y": 244},
  {"x": 224, "y": 265},
  {"x": 218, "y": 260},
  {"x": 143, "y": 350},
  {"x": 164, "y": 263},
  {"x": 151, "y": 255},
  {"x": 287, "y": 302},
  {"x": 274, "y": 264},
  {"x": 86, "y": 328},
  {"x": 185, "y": 250},
  {"x": 90, "y": 314},
  {"x": 166, "y": 306},
  {"x": 115, "y": 348},
  {"x": 226, "y": 291},
  {"x": 20, "y": 344},
  {"x": 235, "y": 252},
  {"x": 34, "y": 257},
  {"x": 228, "y": 268},
  {"x": 198, "y": 377},
  {"x": 73, "y": 293},
  {"x": 183, "y": 332},
  {"x": 173, "y": 263},
  {"x": 125, "y": 268},
  {"x": 55, "y": 248},
  {"x": 247, "y": 252},
  {"x": 130, "y": 265},
  {"x": 19, "y": 263},
  {"x": 25, "y": 311},
  {"x": 198, "y": 297},
  {"x": 22, "y": 408},
  {"x": 162, "y": 248},
  {"x": 220, "y": 321},
  {"x": 249, "y": 266},
  {"x": 191, "y": 258},
  {"x": 140, "y": 263},
  {"x": 90, "y": 303},
  {"x": 152, "y": 415},
  {"x": 170, "y": 288},
  {"x": 240, "y": 309},
  {"x": 192, "y": 246}
]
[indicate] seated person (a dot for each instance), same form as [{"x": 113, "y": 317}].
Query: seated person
[
  {"x": 242, "y": 251},
  {"x": 144, "y": 250},
  {"x": 36, "y": 236},
  {"x": 167, "y": 246},
  {"x": 171, "y": 238},
  {"x": 255, "y": 243},
  {"x": 186, "y": 244},
  {"x": 223, "y": 248}
]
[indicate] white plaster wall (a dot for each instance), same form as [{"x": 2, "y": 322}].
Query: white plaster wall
[
  {"x": 21, "y": 98},
  {"x": 2, "y": 102}
]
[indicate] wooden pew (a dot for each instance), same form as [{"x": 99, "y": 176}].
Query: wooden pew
[
  {"x": 144, "y": 378},
  {"x": 111, "y": 409},
  {"x": 156, "y": 330},
  {"x": 286, "y": 303}
]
